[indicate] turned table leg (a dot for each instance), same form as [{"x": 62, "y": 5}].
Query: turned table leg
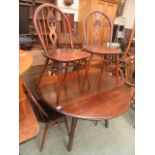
[{"x": 71, "y": 134}]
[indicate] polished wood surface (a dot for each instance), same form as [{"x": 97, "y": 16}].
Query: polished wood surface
[
  {"x": 96, "y": 44},
  {"x": 28, "y": 127},
  {"x": 25, "y": 61},
  {"x": 102, "y": 50},
  {"x": 63, "y": 55},
  {"x": 107, "y": 6},
  {"x": 54, "y": 22},
  {"x": 102, "y": 101}
]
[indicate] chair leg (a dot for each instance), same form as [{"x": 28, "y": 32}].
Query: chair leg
[
  {"x": 44, "y": 136},
  {"x": 42, "y": 72},
  {"x": 66, "y": 124},
  {"x": 86, "y": 74},
  {"x": 96, "y": 123},
  {"x": 65, "y": 75},
  {"x": 106, "y": 123},
  {"x": 71, "y": 134}
]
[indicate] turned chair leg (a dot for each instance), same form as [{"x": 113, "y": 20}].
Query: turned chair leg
[
  {"x": 66, "y": 124},
  {"x": 44, "y": 136},
  {"x": 71, "y": 134},
  {"x": 106, "y": 123}
]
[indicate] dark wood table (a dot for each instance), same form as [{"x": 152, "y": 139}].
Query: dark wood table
[
  {"x": 102, "y": 101},
  {"x": 104, "y": 51}
]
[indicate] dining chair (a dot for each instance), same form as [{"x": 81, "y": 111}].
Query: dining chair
[
  {"x": 44, "y": 113},
  {"x": 51, "y": 24},
  {"x": 98, "y": 30}
]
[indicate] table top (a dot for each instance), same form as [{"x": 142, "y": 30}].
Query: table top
[
  {"x": 25, "y": 61},
  {"x": 67, "y": 55},
  {"x": 29, "y": 126},
  {"x": 102, "y": 50},
  {"x": 102, "y": 101}
]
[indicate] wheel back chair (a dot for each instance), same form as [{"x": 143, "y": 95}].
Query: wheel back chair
[
  {"x": 99, "y": 26},
  {"x": 43, "y": 112},
  {"x": 51, "y": 24}
]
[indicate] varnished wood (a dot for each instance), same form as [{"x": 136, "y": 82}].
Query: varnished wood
[
  {"x": 129, "y": 43},
  {"x": 25, "y": 61},
  {"x": 63, "y": 55},
  {"x": 102, "y": 50},
  {"x": 98, "y": 45},
  {"x": 44, "y": 136},
  {"x": 102, "y": 101},
  {"x": 106, "y": 123},
  {"x": 28, "y": 127},
  {"x": 71, "y": 135},
  {"x": 44, "y": 113},
  {"x": 93, "y": 104},
  {"x": 60, "y": 58},
  {"x": 107, "y": 6}
]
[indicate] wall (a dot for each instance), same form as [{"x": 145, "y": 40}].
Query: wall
[
  {"x": 72, "y": 9},
  {"x": 128, "y": 16},
  {"x": 129, "y": 13}
]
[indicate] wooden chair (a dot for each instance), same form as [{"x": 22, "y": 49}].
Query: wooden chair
[
  {"x": 50, "y": 23},
  {"x": 44, "y": 113},
  {"x": 98, "y": 30},
  {"x": 126, "y": 53},
  {"x": 130, "y": 76}
]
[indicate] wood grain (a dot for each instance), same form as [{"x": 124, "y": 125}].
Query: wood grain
[{"x": 102, "y": 101}]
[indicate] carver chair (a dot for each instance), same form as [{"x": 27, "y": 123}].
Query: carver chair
[
  {"x": 98, "y": 30},
  {"x": 43, "y": 112},
  {"x": 51, "y": 24}
]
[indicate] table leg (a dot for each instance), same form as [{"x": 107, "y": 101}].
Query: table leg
[
  {"x": 106, "y": 123},
  {"x": 42, "y": 72},
  {"x": 71, "y": 134},
  {"x": 59, "y": 81},
  {"x": 117, "y": 61}
]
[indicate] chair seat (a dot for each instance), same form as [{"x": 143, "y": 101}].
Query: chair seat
[
  {"x": 102, "y": 50},
  {"x": 67, "y": 55}
]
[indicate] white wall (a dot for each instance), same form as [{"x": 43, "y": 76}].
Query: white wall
[
  {"x": 72, "y": 9},
  {"x": 128, "y": 14}
]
